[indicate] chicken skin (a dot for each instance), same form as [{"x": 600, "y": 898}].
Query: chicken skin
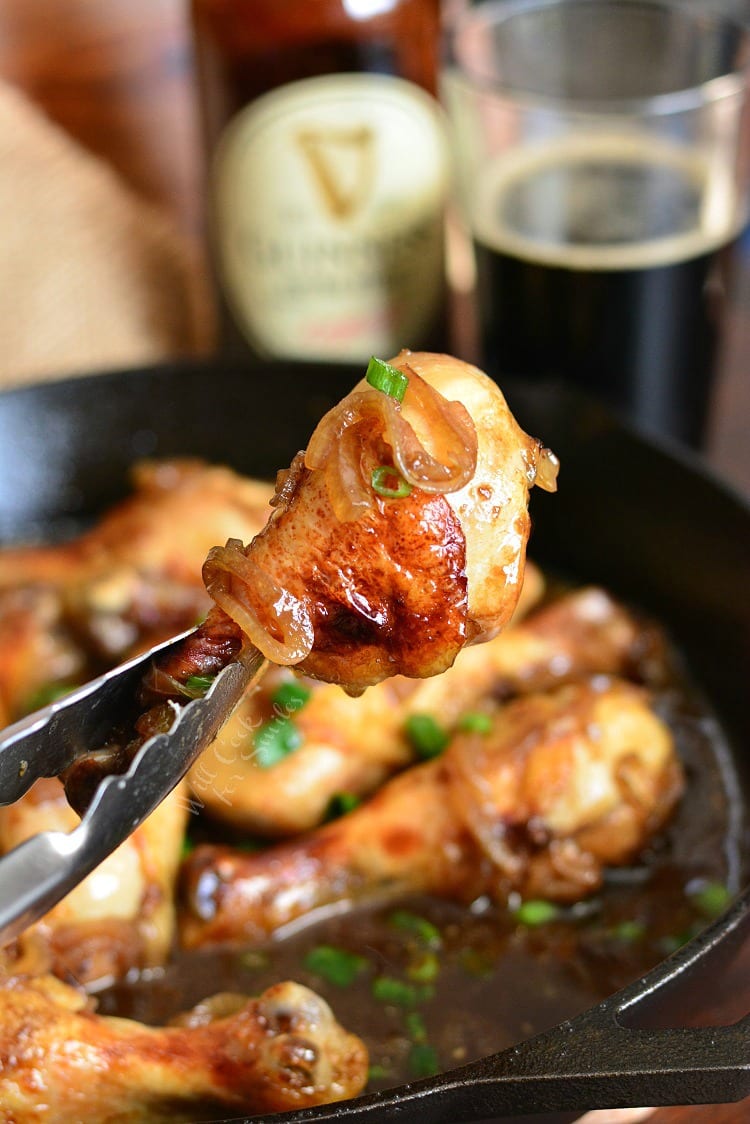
[
  {"x": 178, "y": 509},
  {"x": 61, "y": 1062},
  {"x": 398, "y": 537},
  {"x": 68, "y": 611},
  {"x": 563, "y": 784},
  {"x": 122, "y": 916},
  {"x": 352, "y": 745}
]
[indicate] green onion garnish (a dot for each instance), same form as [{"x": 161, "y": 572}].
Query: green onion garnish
[
  {"x": 427, "y": 737},
  {"x": 475, "y": 722},
  {"x": 387, "y": 378},
  {"x": 628, "y": 931},
  {"x": 291, "y": 696},
  {"x": 389, "y": 483},
  {"x": 711, "y": 899},
  {"x": 378, "y": 1072},
  {"x": 427, "y": 933},
  {"x": 335, "y": 965},
  {"x": 197, "y": 685},
  {"x": 399, "y": 993},
  {"x": 275, "y": 740},
  {"x": 423, "y": 1060},
  {"x": 671, "y": 943},
  {"x": 341, "y": 803},
  {"x": 424, "y": 968},
  {"x": 535, "y": 912},
  {"x": 415, "y": 1027}
]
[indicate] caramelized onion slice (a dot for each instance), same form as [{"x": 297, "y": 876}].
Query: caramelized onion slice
[
  {"x": 336, "y": 446},
  {"x": 239, "y": 586},
  {"x": 452, "y": 434},
  {"x": 547, "y": 468},
  {"x": 542, "y": 467}
]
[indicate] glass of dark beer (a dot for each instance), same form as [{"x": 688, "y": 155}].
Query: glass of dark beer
[{"x": 602, "y": 158}]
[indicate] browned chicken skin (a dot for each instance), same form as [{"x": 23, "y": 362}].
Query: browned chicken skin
[
  {"x": 564, "y": 784},
  {"x": 69, "y": 610},
  {"x": 62, "y": 1063},
  {"x": 177, "y": 511},
  {"x": 353, "y": 745},
  {"x": 353, "y": 581},
  {"x": 122, "y": 916}
]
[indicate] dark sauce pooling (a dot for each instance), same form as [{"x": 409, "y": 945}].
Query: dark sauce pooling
[{"x": 430, "y": 985}]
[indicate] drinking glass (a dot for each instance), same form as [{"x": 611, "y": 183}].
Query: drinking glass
[{"x": 602, "y": 165}]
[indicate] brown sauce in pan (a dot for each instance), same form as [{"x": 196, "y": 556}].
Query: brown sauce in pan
[{"x": 480, "y": 980}]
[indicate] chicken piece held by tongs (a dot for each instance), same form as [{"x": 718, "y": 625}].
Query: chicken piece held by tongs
[{"x": 398, "y": 537}]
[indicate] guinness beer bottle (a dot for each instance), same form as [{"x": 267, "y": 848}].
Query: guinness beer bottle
[{"x": 327, "y": 174}]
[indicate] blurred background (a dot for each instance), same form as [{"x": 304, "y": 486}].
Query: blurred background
[{"x": 118, "y": 80}]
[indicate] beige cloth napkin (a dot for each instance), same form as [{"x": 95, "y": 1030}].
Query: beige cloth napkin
[{"x": 91, "y": 276}]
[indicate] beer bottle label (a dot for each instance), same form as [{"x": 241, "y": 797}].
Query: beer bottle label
[{"x": 328, "y": 217}]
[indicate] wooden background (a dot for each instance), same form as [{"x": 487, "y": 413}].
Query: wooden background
[{"x": 117, "y": 75}]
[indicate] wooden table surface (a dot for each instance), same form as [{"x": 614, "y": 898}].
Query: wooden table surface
[{"x": 118, "y": 77}]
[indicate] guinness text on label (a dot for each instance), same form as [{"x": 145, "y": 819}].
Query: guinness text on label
[{"x": 328, "y": 188}]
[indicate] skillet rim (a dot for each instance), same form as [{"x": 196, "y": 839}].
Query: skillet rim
[{"x": 687, "y": 461}]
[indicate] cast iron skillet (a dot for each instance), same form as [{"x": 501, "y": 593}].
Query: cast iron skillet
[{"x": 644, "y": 521}]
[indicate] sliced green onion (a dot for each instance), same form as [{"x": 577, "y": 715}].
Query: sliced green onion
[
  {"x": 535, "y": 912},
  {"x": 475, "y": 722},
  {"x": 629, "y": 931},
  {"x": 387, "y": 378},
  {"x": 341, "y": 803},
  {"x": 275, "y": 740},
  {"x": 672, "y": 942},
  {"x": 198, "y": 684},
  {"x": 423, "y": 1060},
  {"x": 711, "y": 899},
  {"x": 378, "y": 1072},
  {"x": 186, "y": 848},
  {"x": 424, "y": 968},
  {"x": 427, "y": 737},
  {"x": 427, "y": 933},
  {"x": 415, "y": 1027},
  {"x": 291, "y": 696},
  {"x": 389, "y": 483},
  {"x": 399, "y": 993},
  {"x": 335, "y": 965}
]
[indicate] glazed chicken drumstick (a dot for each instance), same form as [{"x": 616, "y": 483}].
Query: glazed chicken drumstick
[
  {"x": 397, "y": 537},
  {"x": 61, "y": 1062},
  {"x": 352, "y": 745},
  {"x": 562, "y": 785}
]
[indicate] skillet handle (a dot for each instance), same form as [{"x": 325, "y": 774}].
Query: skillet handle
[
  {"x": 593, "y": 1062},
  {"x": 589, "y": 1062}
]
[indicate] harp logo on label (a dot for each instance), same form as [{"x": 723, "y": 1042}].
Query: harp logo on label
[
  {"x": 328, "y": 216},
  {"x": 341, "y": 163}
]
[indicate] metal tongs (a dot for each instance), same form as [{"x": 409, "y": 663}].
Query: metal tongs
[{"x": 35, "y": 875}]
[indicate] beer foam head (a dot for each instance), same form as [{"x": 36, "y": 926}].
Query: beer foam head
[{"x": 606, "y": 201}]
